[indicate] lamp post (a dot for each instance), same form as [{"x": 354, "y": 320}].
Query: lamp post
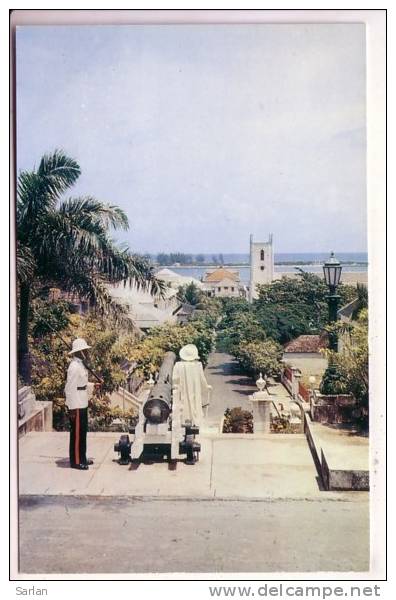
[{"x": 332, "y": 275}]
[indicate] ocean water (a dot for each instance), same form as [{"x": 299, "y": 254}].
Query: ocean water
[
  {"x": 290, "y": 257},
  {"x": 309, "y": 257},
  {"x": 314, "y": 263}
]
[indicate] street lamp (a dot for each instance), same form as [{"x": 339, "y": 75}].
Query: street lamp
[{"x": 332, "y": 275}]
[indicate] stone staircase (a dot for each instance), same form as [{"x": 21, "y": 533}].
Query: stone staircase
[{"x": 127, "y": 400}]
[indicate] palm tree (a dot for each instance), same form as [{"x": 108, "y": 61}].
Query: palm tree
[
  {"x": 66, "y": 242},
  {"x": 362, "y": 300},
  {"x": 190, "y": 293}
]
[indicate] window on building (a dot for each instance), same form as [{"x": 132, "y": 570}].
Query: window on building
[
  {"x": 262, "y": 268},
  {"x": 261, "y": 254},
  {"x": 219, "y": 289},
  {"x": 232, "y": 289},
  {"x": 226, "y": 287}
]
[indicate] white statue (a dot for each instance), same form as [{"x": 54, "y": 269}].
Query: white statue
[{"x": 188, "y": 376}]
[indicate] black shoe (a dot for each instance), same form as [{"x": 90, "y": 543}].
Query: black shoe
[
  {"x": 89, "y": 461},
  {"x": 80, "y": 467}
]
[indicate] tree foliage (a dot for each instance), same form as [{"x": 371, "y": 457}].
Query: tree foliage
[
  {"x": 351, "y": 366},
  {"x": 149, "y": 352},
  {"x": 190, "y": 293},
  {"x": 164, "y": 259},
  {"x": 49, "y": 317},
  {"x": 237, "y": 329},
  {"x": 260, "y": 357},
  {"x": 291, "y": 307},
  {"x": 111, "y": 346},
  {"x": 66, "y": 241},
  {"x": 284, "y": 310}
]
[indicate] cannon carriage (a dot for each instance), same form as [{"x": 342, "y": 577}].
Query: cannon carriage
[{"x": 161, "y": 432}]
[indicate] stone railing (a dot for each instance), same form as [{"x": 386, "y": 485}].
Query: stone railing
[
  {"x": 303, "y": 392},
  {"x": 287, "y": 380},
  {"x": 291, "y": 380},
  {"x": 33, "y": 415},
  {"x": 333, "y": 409},
  {"x": 124, "y": 399}
]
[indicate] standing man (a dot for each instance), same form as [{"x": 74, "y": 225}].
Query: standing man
[
  {"x": 189, "y": 375},
  {"x": 77, "y": 403}
]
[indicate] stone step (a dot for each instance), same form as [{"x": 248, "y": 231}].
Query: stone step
[{"x": 341, "y": 460}]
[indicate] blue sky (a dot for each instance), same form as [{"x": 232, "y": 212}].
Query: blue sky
[{"x": 204, "y": 134}]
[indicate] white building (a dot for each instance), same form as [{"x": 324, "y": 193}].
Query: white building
[
  {"x": 145, "y": 310},
  {"x": 222, "y": 283},
  {"x": 175, "y": 280},
  {"x": 261, "y": 265},
  {"x": 304, "y": 353}
]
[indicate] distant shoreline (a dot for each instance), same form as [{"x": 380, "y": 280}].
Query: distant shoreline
[
  {"x": 246, "y": 264},
  {"x": 358, "y": 272}
]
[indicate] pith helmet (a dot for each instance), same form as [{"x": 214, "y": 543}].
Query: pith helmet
[
  {"x": 189, "y": 352},
  {"x": 79, "y": 344}
]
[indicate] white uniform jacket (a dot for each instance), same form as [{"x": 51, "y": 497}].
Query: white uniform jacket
[
  {"x": 77, "y": 377},
  {"x": 190, "y": 378}
]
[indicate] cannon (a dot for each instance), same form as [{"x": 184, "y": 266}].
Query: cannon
[
  {"x": 161, "y": 431},
  {"x": 158, "y": 405}
]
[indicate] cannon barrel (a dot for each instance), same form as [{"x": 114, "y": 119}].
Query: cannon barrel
[{"x": 157, "y": 407}]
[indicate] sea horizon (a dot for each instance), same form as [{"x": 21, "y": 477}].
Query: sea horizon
[
  {"x": 279, "y": 257},
  {"x": 284, "y": 262}
]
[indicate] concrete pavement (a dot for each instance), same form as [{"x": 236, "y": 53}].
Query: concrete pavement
[
  {"x": 231, "y": 466},
  {"x": 110, "y": 535},
  {"x": 231, "y": 388},
  {"x": 342, "y": 456}
]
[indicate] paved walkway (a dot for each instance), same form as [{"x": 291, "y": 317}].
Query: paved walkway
[
  {"x": 343, "y": 449},
  {"x": 231, "y": 387},
  {"x": 231, "y": 466}
]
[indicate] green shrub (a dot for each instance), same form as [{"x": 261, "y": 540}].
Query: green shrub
[
  {"x": 281, "y": 424},
  {"x": 260, "y": 357},
  {"x": 237, "y": 420},
  {"x": 334, "y": 381}
]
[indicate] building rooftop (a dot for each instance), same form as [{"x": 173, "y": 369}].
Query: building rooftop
[
  {"x": 166, "y": 273},
  {"x": 220, "y": 274},
  {"x": 307, "y": 343},
  {"x": 176, "y": 279}
]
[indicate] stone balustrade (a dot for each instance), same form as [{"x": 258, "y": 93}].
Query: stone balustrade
[
  {"x": 33, "y": 415},
  {"x": 333, "y": 409}
]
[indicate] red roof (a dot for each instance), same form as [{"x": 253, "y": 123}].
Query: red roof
[
  {"x": 307, "y": 343},
  {"x": 220, "y": 274}
]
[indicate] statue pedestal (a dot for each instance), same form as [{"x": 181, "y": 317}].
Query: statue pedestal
[{"x": 261, "y": 403}]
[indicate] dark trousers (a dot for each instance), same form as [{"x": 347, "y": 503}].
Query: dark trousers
[{"x": 78, "y": 435}]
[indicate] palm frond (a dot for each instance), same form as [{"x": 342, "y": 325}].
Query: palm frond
[
  {"x": 59, "y": 170},
  {"x": 88, "y": 209},
  {"x": 141, "y": 272},
  {"x": 32, "y": 199},
  {"x": 38, "y": 191},
  {"x": 93, "y": 289},
  {"x": 64, "y": 235},
  {"x": 70, "y": 242}
]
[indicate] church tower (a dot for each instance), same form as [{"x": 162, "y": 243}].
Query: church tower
[{"x": 261, "y": 264}]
